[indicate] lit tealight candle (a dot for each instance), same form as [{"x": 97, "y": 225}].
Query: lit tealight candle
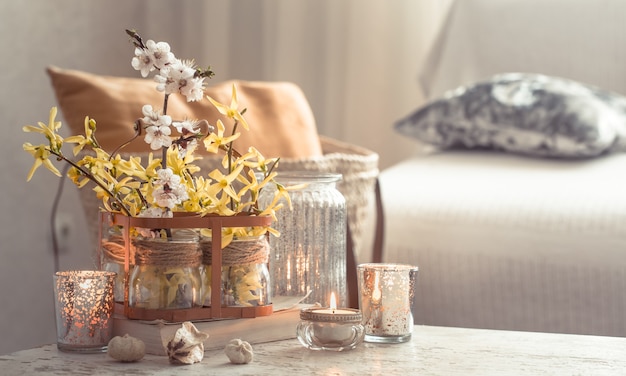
[
  {"x": 330, "y": 328},
  {"x": 332, "y": 309}
]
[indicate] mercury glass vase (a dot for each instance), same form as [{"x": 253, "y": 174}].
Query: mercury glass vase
[{"x": 309, "y": 257}]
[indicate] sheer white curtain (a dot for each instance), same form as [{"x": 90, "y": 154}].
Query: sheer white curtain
[{"x": 356, "y": 60}]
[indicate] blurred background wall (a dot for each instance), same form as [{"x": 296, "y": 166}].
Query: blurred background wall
[{"x": 356, "y": 60}]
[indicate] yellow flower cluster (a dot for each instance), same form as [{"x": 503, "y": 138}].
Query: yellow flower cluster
[
  {"x": 126, "y": 186},
  {"x": 172, "y": 182}
]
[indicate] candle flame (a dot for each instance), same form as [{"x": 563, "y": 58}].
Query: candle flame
[{"x": 333, "y": 302}]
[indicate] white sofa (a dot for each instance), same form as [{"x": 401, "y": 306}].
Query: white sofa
[{"x": 503, "y": 240}]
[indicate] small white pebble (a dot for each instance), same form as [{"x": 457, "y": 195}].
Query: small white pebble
[{"x": 239, "y": 352}]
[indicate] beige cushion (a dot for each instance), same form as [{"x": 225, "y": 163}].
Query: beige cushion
[{"x": 280, "y": 118}]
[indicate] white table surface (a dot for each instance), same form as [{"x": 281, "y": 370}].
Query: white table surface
[{"x": 432, "y": 351}]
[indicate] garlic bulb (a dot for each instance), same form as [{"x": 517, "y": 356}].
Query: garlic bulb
[
  {"x": 187, "y": 346},
  {"x": 238, "y": 351},
  {"x": 126, "y": 348}
]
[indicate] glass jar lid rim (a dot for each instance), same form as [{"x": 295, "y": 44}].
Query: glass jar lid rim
[{"x": 309, "y": 176}]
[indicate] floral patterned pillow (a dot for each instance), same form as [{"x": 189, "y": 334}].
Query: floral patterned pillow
[{"x": 524, "y": 113}]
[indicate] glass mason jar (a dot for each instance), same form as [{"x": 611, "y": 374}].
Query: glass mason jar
[
  {"x": 310, "y": 254},
  {"x": 113, "y": 258},
  {"x": 167, "y": 272},
  {"x": 245, "y": 275}
]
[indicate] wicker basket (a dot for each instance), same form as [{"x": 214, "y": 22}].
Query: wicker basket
[{"x": 359, "y": 169}]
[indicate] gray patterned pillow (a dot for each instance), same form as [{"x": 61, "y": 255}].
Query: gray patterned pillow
[{"x": 524, "y": 113}]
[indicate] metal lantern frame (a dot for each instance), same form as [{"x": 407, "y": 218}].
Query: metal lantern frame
[{"x": 186, "y": 220}]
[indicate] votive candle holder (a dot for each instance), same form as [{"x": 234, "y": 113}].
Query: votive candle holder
[
  {"x": 330, "y": 328},
  {"x": 386, "y": 297},
  {"x": 84, "y": 303}
]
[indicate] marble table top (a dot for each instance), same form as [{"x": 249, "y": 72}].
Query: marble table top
[{"x": 431, "y": 351}]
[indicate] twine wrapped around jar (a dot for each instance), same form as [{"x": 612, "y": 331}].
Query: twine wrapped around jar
[
  {"x": 165, "y": 253},
  {"x": 253, "y": 250},
  {"x": 113, "y": 249}
]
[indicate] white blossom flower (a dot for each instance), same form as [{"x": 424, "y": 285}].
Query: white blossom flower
[
  {"x": 152, "y": 117},
  {"x": 179, "y": 77},
  {"x": 160, "y": 53},
  {"x": 193, "y": 89},
  {"x": 164, "y": 198},
  {"x": 169, "y": 191},
  {"x": 158, "y": 137},
  {"x": 165, "y": 83},
  {"x": 167, "y": 177},
  {"x": 171, "y": 78},
  {"x": 142, "y": 62},
  {"x": 154, "y": 56},
  {"x": 158, "y": 129},
  {"x": 186, "y": 127}
]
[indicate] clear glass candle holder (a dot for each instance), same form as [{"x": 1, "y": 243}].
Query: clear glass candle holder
[{"x": 330, "y": 329}]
